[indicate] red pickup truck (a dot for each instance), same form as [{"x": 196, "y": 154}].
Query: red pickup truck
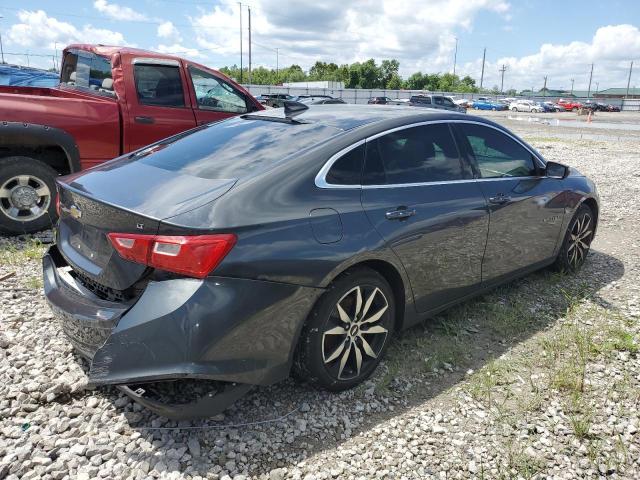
[
  {"x": 569, "y": 105},
  {"x": 110, "y": 101}
]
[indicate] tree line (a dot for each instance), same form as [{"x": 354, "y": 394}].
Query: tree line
[{"x": 366, "y": 74}]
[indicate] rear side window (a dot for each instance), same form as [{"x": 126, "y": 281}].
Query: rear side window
[
  {"x": 347, "y": 170},
  {"x": 496, "y": 154},
  {"x": 438, "y": 100},
  {"x": 87, "y": 70},
  {"x": 414, "y": 155},
  {"x": 159, "y": 85}
]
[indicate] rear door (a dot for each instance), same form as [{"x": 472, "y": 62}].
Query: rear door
[
  {"x": 213, "y": 97},
  {"x": 526, "y": 214},
  {"x": 421, "y": 197},
  {"x": 161, "y": 106}
]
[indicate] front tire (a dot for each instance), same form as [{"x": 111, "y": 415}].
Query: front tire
[
  {"x": 577, "y": 241},
  {"x": 347, "y": 332}
]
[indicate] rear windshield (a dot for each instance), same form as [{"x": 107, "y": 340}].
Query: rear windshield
[
  {"x": 235, "y": 148},
  {"x": 86, "y": 70}
]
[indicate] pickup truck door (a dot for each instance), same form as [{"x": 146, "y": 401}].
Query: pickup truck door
[
  {"x": 213, "y": 98},
  {"x": 160, "y": 105}
]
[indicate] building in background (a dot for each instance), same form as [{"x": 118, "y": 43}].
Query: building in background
[{"x": 618, "y": 93}]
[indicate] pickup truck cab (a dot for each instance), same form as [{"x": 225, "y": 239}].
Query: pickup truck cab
[{"x": 110, "y": 101}]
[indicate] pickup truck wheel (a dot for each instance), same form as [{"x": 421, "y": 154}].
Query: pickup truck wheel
[{"x": 27, "y": 193}]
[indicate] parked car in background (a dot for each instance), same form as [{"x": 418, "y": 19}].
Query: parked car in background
[
  {"x": 110, "y": 101},
  {"x": 463, "y": 102},
  {"x": 526, "y": 106},
  {"x": 569, "y": 105},
  {"x": 552, "y": 107},
  {"x": 612, "y": 108},
  {"x": 180, "y": 262},
  {"x": 379, "y": 100},
  {"x": 274, "y": 100},
  {"x": 484, "y": 103},
  {"x": 398, "y": 101},
  {"x": 322, "y": 100},
  {"x": 435, "y": 101}
]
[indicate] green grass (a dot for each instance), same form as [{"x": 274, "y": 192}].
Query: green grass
[{"x": 18, "y": 254}]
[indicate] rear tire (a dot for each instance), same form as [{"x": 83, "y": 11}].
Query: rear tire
[
  {"x": 577, "y": 241},
  {"x": 339, "y": 350},
  {"x": 27, "y": 195}
]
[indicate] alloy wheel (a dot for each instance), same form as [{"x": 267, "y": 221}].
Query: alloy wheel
[
  {"x": 24, "y": 198},
  {"x": 355, "y": 335},
  {"x": 580, "y": 240}
]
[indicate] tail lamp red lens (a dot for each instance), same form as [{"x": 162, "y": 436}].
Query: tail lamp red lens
[{"x": 193, "y": 255}]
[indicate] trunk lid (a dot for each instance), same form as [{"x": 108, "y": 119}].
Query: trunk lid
[{"x": 133, "y": 198}]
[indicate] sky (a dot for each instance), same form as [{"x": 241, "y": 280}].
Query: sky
[{"x": 532, "y": 38}]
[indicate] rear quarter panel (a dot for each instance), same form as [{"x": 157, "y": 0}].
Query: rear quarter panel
[{"x": 94, "y": 122}]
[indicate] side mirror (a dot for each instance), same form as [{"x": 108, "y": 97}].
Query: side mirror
[{"x": 556, "y": 170}]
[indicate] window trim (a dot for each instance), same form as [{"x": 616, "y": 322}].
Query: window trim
[{"x": 321, "y": 181}]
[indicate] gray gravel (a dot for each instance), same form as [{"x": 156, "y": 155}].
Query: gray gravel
[{"x": 461, "y": 417}]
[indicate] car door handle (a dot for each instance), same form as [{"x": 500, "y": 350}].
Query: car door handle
[
  {"x": 400, "y": 214},
  {"x": 144, "y": 120},
  {"x": 500, "y": 199}
]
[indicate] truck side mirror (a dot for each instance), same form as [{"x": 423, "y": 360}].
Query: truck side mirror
[{"x": 556, "y": 170}]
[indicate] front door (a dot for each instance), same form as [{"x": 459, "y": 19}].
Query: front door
[
  {"x": 162, "y": 107},
  {"x": 526, "y": 216},
  {"x": 421, "y": 197}
]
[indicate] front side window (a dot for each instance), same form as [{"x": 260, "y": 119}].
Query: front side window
[
  {"x": 447, "y": 102},
  {"x": 496, "y": 154},
  {"x": 159, "y": 85},
  {"x": 438, "y": 100},
  {"x": 213, "y": 93},
  {"x": 414, "y": 155},
  {"x": 87, "y": 70},
  {"x": 347, "y": 170}
]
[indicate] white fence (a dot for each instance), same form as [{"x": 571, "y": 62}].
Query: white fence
[{"x": 361, "y": 95}]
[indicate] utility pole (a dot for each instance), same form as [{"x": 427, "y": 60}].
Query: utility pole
[
  {"x": 590, "y": 77},
  {"x": 628, "y": 80},
  {"x": 544, "y": 89},
  {"x": 484, "y": 54},
  {"x": 455, "y": 57},
  {"x": 502, "y": 70},
  {"x": 572, "y": 87},
  {"x": 240, "y": 4},
  {"x": 249, "y": 10},
  {"x": 277, "y": 69}
]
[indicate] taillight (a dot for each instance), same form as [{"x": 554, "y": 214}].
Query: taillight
[{"x": 194, "y": 256}]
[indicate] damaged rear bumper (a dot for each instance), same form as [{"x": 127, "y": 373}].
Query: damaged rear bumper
[{"x": 227, "y": 329}]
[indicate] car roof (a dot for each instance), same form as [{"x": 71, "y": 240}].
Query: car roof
[{"x": 349, "y": 116}]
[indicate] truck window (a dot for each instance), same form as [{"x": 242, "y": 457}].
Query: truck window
[
  {"x": 87, "y": 70},
  {"x": 213, "y": 93},
  {"x": 159, "y": 85}
]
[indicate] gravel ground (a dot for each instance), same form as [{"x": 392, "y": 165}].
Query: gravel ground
[{"x": 538, "y": 379}]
